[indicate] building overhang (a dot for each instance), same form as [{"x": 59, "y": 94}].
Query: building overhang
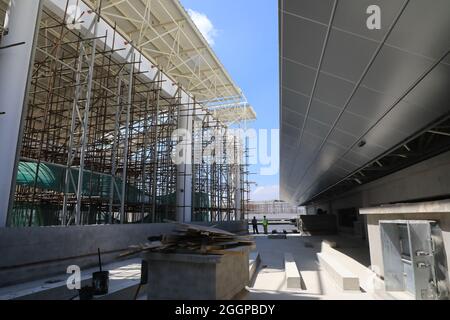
[
  {"x": 351, "y": 96},
  {"x": 442, "y": 206},
  {"x": 165, "y": 33}
]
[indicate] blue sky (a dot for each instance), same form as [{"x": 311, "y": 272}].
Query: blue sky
[{"x": 244, "y": 35}]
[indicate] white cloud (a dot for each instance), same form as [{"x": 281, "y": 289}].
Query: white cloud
[
  {"x": 205, "y": 25},
  {"x": 265, "y": 193}
]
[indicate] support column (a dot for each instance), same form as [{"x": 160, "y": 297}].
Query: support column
[
  {"x": 237, "y": 176},
  {"x": 16, "y": 66},
  {"x": 156, "y": 127},
  {"x": 184, "y": 168}
]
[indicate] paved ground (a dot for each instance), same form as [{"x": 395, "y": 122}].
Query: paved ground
[{"x": 270, "y": 284}]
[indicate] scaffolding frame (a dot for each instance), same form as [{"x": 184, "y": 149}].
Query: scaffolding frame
[{"x": 103, "y": 136}]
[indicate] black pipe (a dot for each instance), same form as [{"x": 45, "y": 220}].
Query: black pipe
[{"x": 12, "y": 45}]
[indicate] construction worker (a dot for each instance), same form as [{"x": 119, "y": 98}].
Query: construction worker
[
  {"x": 255, "y": 226},
  {"x": 265, "y": 224}
]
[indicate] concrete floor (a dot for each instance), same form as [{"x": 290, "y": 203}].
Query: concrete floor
[
  {"x": 269, "y": 282},
  {"x": 124, "y": 278}
]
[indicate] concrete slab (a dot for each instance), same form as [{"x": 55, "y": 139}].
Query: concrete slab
[
  {"x": 367, "y": 278},
  {"x": 316, "y": 283},
  {"x": 331, "y": 244},
  {"x": 293, "y": 280},
  {"x": 345, "y": 279}
]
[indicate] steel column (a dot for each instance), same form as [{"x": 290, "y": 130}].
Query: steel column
[
  {"x": 184, "y": 170},
  {"x": 16, "y": 65},
  {"x": 127, "y": 132}
]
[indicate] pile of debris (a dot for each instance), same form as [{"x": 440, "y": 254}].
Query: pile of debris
[{"x": 193, "y": 239}]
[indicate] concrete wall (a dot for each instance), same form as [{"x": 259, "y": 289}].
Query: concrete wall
[
  {"x": 197, "y": 277},
  {"x": 428, "y": 179},
  {"x": 32, "y": 253}
]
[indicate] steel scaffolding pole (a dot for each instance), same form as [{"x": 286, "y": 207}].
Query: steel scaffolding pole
[
  {"x": 155, "y": 147},
  {"x": 85, "y": 125},
  {"x": 127, "y": 133},
  {"x": 68, "y": 175},
  {"x": 115, "y": 146}
]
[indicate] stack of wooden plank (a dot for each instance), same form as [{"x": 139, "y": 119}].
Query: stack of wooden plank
[{"x": 194, "y": 239}]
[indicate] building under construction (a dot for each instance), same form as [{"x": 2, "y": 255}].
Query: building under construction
[
  {"x": 118, "y": 124},
  {"x": 124, "y": 157},
  {"x": 127, "y": 117}
]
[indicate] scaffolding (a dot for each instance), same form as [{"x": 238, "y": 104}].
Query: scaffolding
[
  {"x": 98, "y": 141},
  {"x": 274, "y": 207}
]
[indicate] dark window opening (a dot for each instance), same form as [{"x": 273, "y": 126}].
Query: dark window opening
[{"x": 347, "y": 217}]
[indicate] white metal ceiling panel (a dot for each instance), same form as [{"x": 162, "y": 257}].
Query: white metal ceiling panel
[{"x": 377, "y": 86}]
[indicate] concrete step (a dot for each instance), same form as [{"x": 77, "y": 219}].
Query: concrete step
[
  {"x": 343, "y": 277},
  {"x": 368, "y": 281},
  {"x": 123, "y": 282},
  {"x": 293, "y": 280},
  {"x": 329, "y": 244}
]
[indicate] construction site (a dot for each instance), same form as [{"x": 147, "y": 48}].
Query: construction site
[
  {"x": 125, "y": 155},
  {"x": 98, "y": 142}
]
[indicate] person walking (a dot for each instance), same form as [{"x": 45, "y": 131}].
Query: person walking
[
  {"x": 255, "y": 226},
  {"x": 265, "y": 224}
]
